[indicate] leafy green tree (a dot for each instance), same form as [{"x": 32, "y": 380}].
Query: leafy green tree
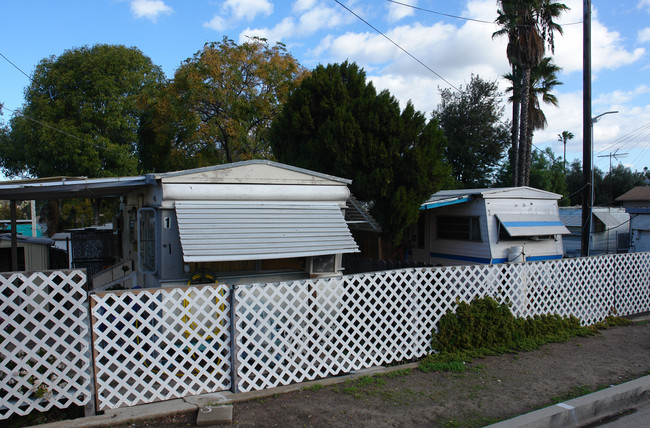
[
  {"x": 529, "y": 26},
  {"x": 476, "y": 138},
  {"x": 546, "y": 173},
  {"x": 336, "y": 123},
  {"x": 81, "y": 115},
  {"x": 221, "y": 102},
  {"x": 618, "y": 181}
]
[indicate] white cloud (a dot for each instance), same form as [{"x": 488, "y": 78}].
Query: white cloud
[
  {"x": 644, "y": 4},
  {"x": 397, "y": 12},
  {"x": 314, "y": 18},
  {"x": 608, "y": 50},
  {"x": 303, "y": 5},
  {"x": 248, "y": 9},
  {"x": 150, "y": 9},
  {"x": 217, "y": 23},
  {"x": 233, "y": 11},
  {"x": 644, "y": 35}
]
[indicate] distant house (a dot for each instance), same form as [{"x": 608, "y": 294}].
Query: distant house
[
  {"x": 610, "y": 230},
  {"x": 33, "y": 253},
  {"x": 253, "y": 221},
  {"x": 637, "y": 204},
  {"x": 486, "y": 226}
]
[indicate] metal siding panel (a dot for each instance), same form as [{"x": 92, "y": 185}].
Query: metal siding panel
[{"x": 225, "y": 230}]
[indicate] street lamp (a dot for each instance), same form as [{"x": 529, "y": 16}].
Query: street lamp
[{"x": 591, "y": 202}]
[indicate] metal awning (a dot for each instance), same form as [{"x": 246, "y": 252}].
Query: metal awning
[
  {"x": 444, "y": 201},
  {"x": 242, "y": 230},
  {"x": 71, "y": 187},
  {"x": 612, "y": 220},
  {"x": 532, "y": 224}
]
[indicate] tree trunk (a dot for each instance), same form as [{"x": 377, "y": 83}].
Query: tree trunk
[
  {"x": 529, "y": 146},
  {"x": 514, "y": 163},
  {"x": 524, "y": 169}
]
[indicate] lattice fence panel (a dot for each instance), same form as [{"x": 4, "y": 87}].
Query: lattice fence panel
[
  {"x": 158, "y": 344},
  {"x": 632, "y": 287},
  {"x": 44, "y": 341},
  {"x": 303, "y": 330}
]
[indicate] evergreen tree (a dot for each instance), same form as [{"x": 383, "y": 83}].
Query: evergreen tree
[
  {"x": 476, "y": 138},
  {"x": 336, "y": 123}
]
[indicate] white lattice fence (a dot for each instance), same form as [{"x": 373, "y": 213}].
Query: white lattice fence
[
  {"x": 158, "y": 344},
  {"x": 303, "y": 330},
  {"x": 44, "y": 341}
]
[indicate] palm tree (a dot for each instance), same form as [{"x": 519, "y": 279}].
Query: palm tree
[
  {"x": 530, "y": 27},
  {"x": 563, "y": 138},
  {"x": 543, "y": 79}
]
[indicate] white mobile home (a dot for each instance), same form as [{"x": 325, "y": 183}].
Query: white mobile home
[
  {"x": 254, "y": 221},
  {"x": 610, "y": 230},
  {"x": 637, "y": 203},
  {"x": 486, "y": 226}
]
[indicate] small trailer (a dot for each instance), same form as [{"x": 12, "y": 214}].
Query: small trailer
[{"x": 488, "y": 226}]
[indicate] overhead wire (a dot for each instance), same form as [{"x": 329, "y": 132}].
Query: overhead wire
[
  {"x": 396, "y": 44},
  {"x": 46, "y": 125}
]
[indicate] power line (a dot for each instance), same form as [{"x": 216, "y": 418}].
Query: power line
[
  {"x": 440, "y": 13},
  {"x": 456, "y": 16},
  {"x": 395, "y": 43},
  {"x": 15, "y": 66},
  {"x": 97, "y": 146}
]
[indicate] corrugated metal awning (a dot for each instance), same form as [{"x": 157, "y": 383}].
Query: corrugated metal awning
[
  {"x": 229, "y": 230},
  {"x": 532, "y": 224},
  {"x": 612, "y": 220},
  {"x": 444, "y": 201}
]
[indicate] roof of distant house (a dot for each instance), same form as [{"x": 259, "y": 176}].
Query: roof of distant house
[{"x": 639, "y": 193}]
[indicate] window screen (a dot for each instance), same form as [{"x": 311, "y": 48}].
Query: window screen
[{"x": 147, "y": 239}]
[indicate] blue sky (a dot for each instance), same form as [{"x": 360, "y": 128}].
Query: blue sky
[{"x": 322, "y": 32}]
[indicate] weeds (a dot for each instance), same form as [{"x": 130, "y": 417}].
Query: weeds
[
  {"x": 485, "y": 327},
  {"x": 314, "y": 387},
  {"x": 576, "y": 391}
]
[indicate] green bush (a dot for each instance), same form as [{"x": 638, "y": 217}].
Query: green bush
[{"x": 485, "y": 327}]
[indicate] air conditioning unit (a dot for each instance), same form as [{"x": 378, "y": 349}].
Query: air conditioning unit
[{"x": 324, "y": 265}]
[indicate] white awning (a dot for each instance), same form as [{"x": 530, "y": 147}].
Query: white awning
[
  {"x": 242, "y": 230},
  {"x": 612, "y": 220},
  {"x": 532, "y": 224}
]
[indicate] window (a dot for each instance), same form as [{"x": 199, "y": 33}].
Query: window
[
  {"x": 147, "y": 239},
  {"x": 459, "y": 228}
]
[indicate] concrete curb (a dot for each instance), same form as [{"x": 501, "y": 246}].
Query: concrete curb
[
  {"x": 584, "y": 410},
  {"x": 196, "y": 402}
]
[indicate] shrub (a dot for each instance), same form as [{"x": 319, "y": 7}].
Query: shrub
[{"x": 485, "y": 327}]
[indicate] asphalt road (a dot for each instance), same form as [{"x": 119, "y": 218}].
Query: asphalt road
[{"x": 639, "y": 417}]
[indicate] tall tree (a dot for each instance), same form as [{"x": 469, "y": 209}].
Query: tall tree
[
  {"x": 530, "y": 26},
  {"x": 476, "y": 138},
  {"x": 563, "y": 138},
  {"x": 227, "y": 95},
  {"x": 335, "y": 122},
  {"x": 80, "y": 115},
  {"x": 543, "y": 81}
]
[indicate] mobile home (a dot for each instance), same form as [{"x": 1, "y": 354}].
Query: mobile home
[
  {"x": 610, "y": 230},
  {"x": 487, "y": 226},
  {"x": 253, "y": 221}
]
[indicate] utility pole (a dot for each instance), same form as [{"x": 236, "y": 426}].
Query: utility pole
[{"x": 586, "y": 129}]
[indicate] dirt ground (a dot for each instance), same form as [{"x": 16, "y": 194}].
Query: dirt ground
[{"x": 492, "y": 389}]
